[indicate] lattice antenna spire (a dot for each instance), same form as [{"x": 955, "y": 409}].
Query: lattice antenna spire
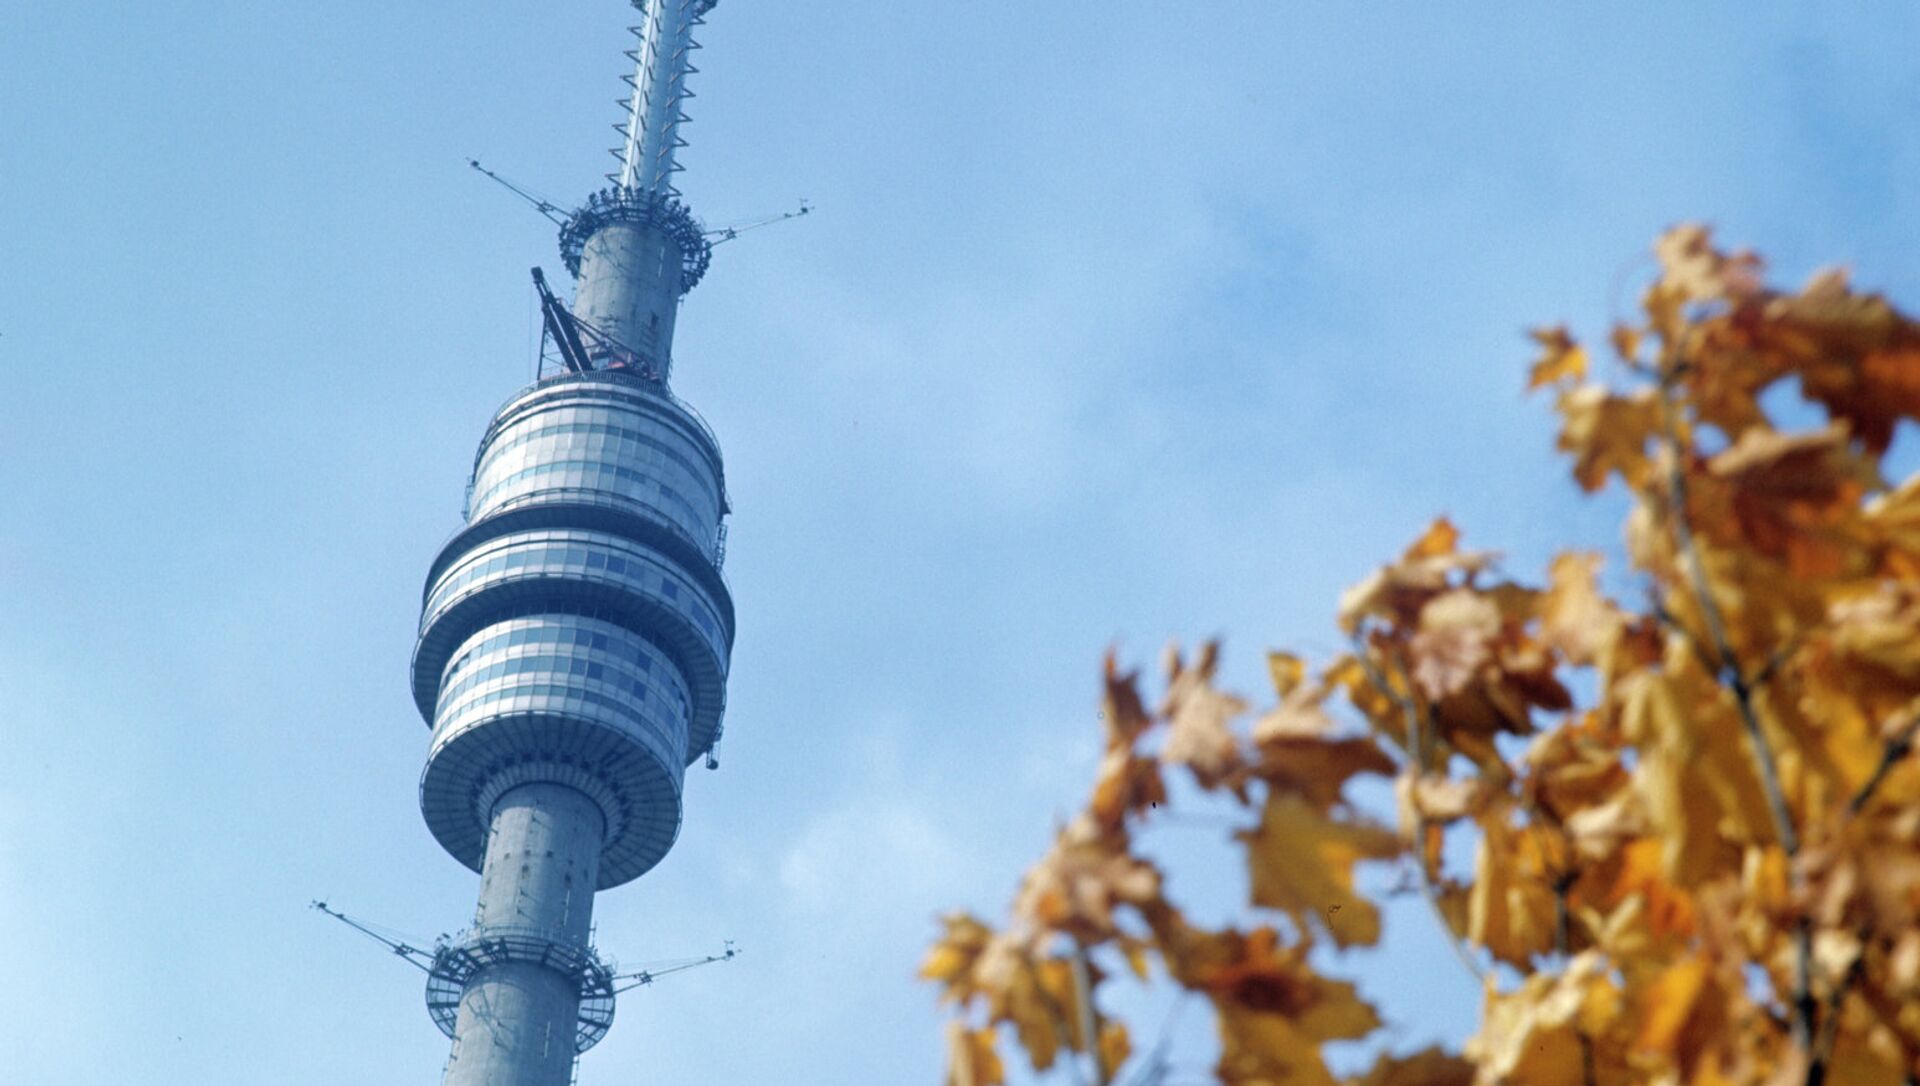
[{"x": 663, "y": 59}]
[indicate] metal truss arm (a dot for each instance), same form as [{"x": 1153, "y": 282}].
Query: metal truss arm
[
  {"x": 412, "y": 955},
  {"x": 627, "y": 982}
]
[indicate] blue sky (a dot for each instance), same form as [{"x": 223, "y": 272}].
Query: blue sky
[{"x": 1117, "y": 323}]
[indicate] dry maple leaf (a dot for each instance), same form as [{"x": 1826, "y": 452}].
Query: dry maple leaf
[
  {"x": 1572, "y": 768},
  {"x": 1561, "y": 359},
  {"x": 1275, "y": 1012},
  {"x": 1453, "y": 641},
  {"x": 1552, "y": 1028},
  {"x": 1690, "y": 264},
  {"x": 1608, "y": 433},
  {"x": 1076, "y": 887},
  {"x": 1575, "y": 619},
  {"x": 1855, "y": 354},
  {"x": 1127, "y": 784},
  {"x": 1428, "y": 1067},
  {"x": 973, "y": 1058},
  {"x": 1200, "y": 735},
  {"x": 1796, "y": 498},
  {"x": 1511, "y": 909},
  {"x": 952, "y": 959},
  {"x": 1123, "y": 715},
  {"x": 1395, "y": 593},
  {"x": 1301, "y": 862}
]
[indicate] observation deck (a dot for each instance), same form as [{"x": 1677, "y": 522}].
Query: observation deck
[{"x": 578, "y": 630}]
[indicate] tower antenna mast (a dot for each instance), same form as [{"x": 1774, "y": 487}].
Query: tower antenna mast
[{"x": 663, "y": 59}]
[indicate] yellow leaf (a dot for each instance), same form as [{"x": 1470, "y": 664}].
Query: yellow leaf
[
  {"x": 1626, "y": 342},
  {"x": 1441, "y": 540},
  {"x": 1274, "y": 1011},
  {"x": 1115, "y": 1046},
  {"x": 1302, "y": 863},
  {"x": 1510, "y": 907},
  {"x": 1661, "y": 907},
  {"x": 1088, "y": 873},
  {"x": 972, "y": 1057},
  {"x": 1574, "y": 618},
  {"x": 1696, "y": 771},
  {"x": 1429, "y": 1067},
  {"x": 1287, "y": 670},
  {"x": 952, "y": 959},
  {"x": 1561, "y": 359},
  {"x": 1532, "y": 1036},
  {"x": 1669, "y": 1003},
  {"x": 1608, "y": 433}
]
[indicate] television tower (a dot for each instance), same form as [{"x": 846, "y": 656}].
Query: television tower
[{"x": 575, "y": 635}]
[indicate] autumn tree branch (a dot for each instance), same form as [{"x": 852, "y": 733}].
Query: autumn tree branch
[
  {"x": 1089, "y": 1016},
  {"x": 1562, "y": 946},
  {"x": 1728, "y": 671},
  {"x": 1898, "y": 747},
  {"x": 1822, "y": 1056},
  {"x": 1730, "y": 674},
  {"x": 1414, "y": 716}
]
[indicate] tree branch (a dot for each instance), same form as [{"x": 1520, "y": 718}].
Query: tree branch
[
  {"x": 1898, "y": 747},
  {"x": 1416, "y": 764},
  {"x": 1089, "y": 1016},
  {"x": 1731, "y": 676},
  {"x": 1728, "y": 671},
  {"x": 1830, "y": 1023}
]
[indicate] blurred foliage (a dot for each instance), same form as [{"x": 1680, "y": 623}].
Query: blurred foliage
[{"x": 1694, "y": 822}]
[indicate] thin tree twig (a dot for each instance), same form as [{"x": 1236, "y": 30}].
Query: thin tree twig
[
  {"x": 1089, "y": 1017},
  {"x": 1672, "y": 622},
  {"x": 1058, "y": 1015},
  {"x": 1898, "y": 747},
  {"x": 1735, "y": 680},
  {"x": 1830, "y": 1024},
  {"x": 1729, "y": 672},
  {"x": 1157, "y": 1064},
  {"x": 1411, "y": 711},
  {"x": 1562, "y": 946},
  {"x": 1562, "y": 936}
]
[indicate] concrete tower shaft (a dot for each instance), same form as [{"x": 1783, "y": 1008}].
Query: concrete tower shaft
[
  {"x": 517, "y": 1020},
  {"x": 634, "y": 255}
]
